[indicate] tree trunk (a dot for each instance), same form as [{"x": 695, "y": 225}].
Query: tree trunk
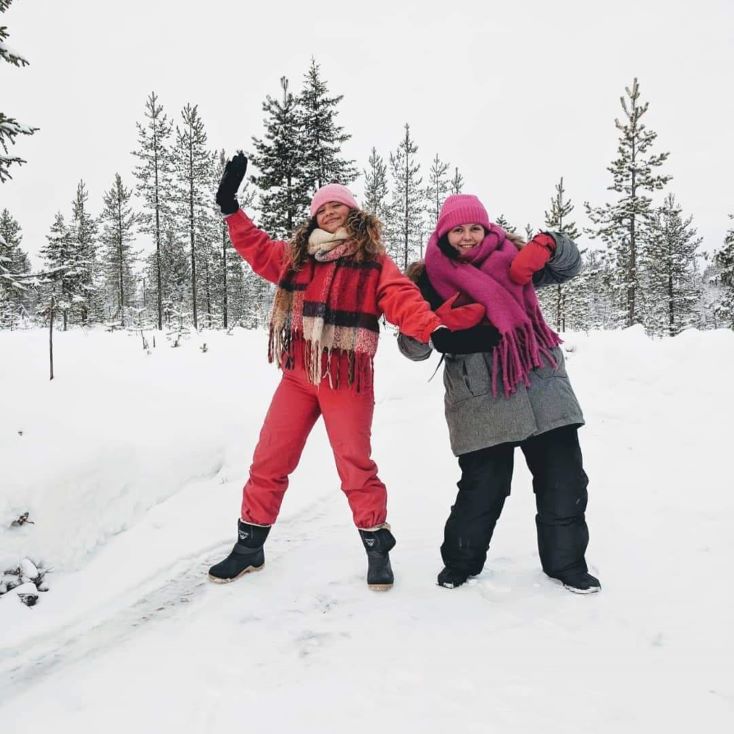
[
  {"x": 51, "y": 337},
  {"x": 225, "y": 305},
  {"x": 671, "y": 307},
  {"x": 121, "y": 283},
  {"x": 191, "y": 234},
  {"x": 158, "y": 242}
]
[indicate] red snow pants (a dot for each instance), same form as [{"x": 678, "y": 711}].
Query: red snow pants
[{"x": 294, "y": 410}]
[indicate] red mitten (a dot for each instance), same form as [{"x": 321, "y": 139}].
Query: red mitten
[
  {"x": 459, "y": 317},
  {"x": 532, "y": 258}
]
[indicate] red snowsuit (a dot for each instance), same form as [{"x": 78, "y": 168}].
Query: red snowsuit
[{"x": 297, "y": 403}]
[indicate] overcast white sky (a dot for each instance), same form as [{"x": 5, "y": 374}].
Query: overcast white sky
[{"x": 515, "y": 93}]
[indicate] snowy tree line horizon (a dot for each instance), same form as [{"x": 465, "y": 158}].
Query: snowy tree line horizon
[{"x": 649, "y": 270}]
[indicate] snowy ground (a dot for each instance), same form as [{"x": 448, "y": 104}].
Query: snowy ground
[{"x": 131, "y": 466}]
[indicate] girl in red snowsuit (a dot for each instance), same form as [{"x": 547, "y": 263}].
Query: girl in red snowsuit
[{"x": 334, "y": 281}]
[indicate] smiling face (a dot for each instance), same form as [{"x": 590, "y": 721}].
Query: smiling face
[
  {"x": 466, "y": 236},
  {"x": 331, "y": 216}
]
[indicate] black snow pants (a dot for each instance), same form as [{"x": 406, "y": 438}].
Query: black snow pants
[{"x": 559, "y": 482}]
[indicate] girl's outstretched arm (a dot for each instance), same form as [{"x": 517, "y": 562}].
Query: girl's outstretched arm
[
  {"x": 563, "y": 265},
  {"x": 402, "y": 303},
  {"x": 265, "y": 256}
]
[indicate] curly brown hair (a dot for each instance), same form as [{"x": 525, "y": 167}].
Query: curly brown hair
[
  {"x": 516, "y": 240},
  {"x": 362, "y": 227}
]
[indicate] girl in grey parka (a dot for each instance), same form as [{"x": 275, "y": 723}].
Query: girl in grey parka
[{"x": 516, "y": 393}]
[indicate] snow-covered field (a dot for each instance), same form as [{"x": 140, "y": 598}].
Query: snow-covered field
[{"x": 131, "y": 466}]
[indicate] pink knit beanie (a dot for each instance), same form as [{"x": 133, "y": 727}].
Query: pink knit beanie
[
  {"x": 332, "y": 192},
  {"x": 461, "y": 209}
]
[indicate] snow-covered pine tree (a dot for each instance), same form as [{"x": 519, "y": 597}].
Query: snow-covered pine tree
[
  {"x": 118, "y": 222},
  {"x": 625, "y": 224},
  {"x": 724, "y": 259},
  {"x": 192, "y": 166},
  {"x": 154, "y": 176},
  {"x": 376, "y": 187},
  {"x": 456, "y": 186},
  {"x": 280, "y": 159},
  {"x": 554, "y": 299},
  {"x": 406, "y": 222},
  {"x": 438, "y": 187},
  {"x": 59, "y": 253},
  {"x": 321, "y": 137},
  {"x": 501, "y": 221},
  {"x": 671, "y": 274},
  {"x": 10, "y": 128},
  {"x": 589, "y": 304},
  {"x": 710, "y": 293},
  {"x": 558, "y": 216},
  {"x": 83, "y": 231},
  {"x": 16, "y": 297},
  {"x": 177, "y": 272}
]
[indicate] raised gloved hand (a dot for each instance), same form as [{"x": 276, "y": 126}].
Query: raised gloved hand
[
  {"x": 479, "y": 338},
  {"x": 532, "y": 258},
  {"x": 234, "y": 172}
]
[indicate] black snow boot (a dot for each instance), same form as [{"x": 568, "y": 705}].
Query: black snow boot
[
  {"x": 246, "y": 556},
  {"x": 450, "y": 578},
  {"x": 378, "y": 544},
  {"x": 580, "y": 583}
]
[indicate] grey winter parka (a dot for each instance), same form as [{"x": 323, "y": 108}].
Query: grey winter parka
[{"x": 476, "y": 419}]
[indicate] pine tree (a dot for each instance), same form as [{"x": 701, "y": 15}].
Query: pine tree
[
  {"x": 119, "y": 223},
  {"x": 177, "y": 285},
  {"x": 406, "y": 219},
  {"x": 321, "y": 137},
  {"x": 154, "y": 175},
  {"x": 375, "y": 187},
  {"x": 59, "y": 253},
  {"x": 83, "y": 233},
  {"x": 557, "y": 219},
  {"x": 10, "y": 128},
  {"x": 624, "y": 225},
  {"x": 192, "y": 165},
  {"x": 558, "y": 216},
  {"x": 589, "y": 301},
  {"x": 724, "y": 259},
  {"x": 671, "y": 273},
  {"x": 438, "y": 186},
  {"x": 711, "y": 293},
  {"x": 280, "y": 159},
  {"x": 15, "y": 294},
  {"x": 457, "y": 182},
  {"x": 502, "y": 222}
]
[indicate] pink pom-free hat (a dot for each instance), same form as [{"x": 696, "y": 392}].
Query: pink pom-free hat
[
  {"x": 461, "y": 209},
  {"x": 332, "y": 192}
]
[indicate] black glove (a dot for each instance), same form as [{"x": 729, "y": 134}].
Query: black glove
[
  {"x": 479, "y": 338},
  {"x": 232, "y": 177}
]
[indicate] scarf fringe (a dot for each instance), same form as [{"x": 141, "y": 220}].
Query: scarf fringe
[
  {"x": 321, "y": 363},
  {"x": 521, "y": 351}
]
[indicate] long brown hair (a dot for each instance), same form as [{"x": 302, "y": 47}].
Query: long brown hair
[{"x": 362, "y": 227}]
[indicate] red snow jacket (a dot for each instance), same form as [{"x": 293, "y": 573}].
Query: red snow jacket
[{"x": 398, "y": 298}]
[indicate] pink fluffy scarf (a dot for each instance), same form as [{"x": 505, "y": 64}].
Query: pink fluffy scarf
[{"x": 483, "y": 275}]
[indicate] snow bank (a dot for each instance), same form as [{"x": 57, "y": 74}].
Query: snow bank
[{"x": 131, "y": 466}]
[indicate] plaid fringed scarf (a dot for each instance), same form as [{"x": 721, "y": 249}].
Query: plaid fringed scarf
[{"x": 326, "y": 314}]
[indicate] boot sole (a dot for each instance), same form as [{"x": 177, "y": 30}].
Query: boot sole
[
  {"x": 575, "y": 590},
  {"x": 379, "y": 587},
  {"x": 249, "y": 569}
]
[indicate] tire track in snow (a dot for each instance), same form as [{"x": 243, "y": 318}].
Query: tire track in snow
[{"x": 161, "y": 598}]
